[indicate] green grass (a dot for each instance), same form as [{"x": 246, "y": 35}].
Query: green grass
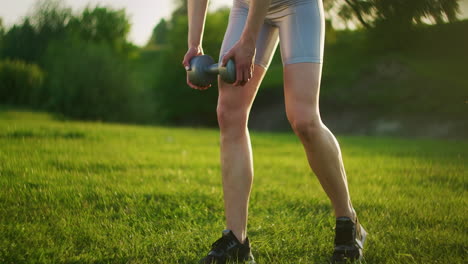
[{"x": 74, "y": 192}]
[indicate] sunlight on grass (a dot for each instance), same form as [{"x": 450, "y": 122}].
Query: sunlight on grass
[{"x": 77, "y": 192}]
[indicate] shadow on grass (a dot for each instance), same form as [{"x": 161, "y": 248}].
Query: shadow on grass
[{"x": 55, "y": 134}]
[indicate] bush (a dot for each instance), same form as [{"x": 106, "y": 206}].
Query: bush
[
  {"x": 88, "y": 81},
  {"x": 177, "y": 102},
  {"x": 20, "y": 82}
]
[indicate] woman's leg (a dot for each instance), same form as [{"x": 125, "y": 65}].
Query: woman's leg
[
  {"x": 233, "y": 110},
  {"x": 234, "y": 104},
  {"x": 301, "y": 89}
]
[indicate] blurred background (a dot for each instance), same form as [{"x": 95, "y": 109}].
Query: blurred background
[{"x": 392, "y": 67}]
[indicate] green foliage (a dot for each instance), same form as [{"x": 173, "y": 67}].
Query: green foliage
[
  {"x": 20, "y": 83},
  {"x": 363, "y": 71},
  {"x": 2, "y": 33},
  {"x": 17, "y": 43},
  {"x": 51, "y": 16},
  {"x": 88, "y": 82},
  {"x": 53, "y": 22},
  {"x": 398, "y": 14},
  {"x": 47, "y": 23},
  {"x": 78, "y": 192},
  {"x": 192, "y": 106},
  {"x": 2, "y": 30},
  {"x": 159, "y": 35},
  {"x": 103, "y": 25},
  {"x": 86, "y": 58},
  {"x": 143, "y": 71},
  {"x": 414, "y": 80},
  {"x": 359, "y": 69}
]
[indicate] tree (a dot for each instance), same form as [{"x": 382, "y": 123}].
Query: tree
[
  {"x": 50, "y": 17},
  {"x": 159, "y": 36},
  {"x": 87, "y": 81},
  {"x": 2, "y": 33},
  {"x": 398, "y": 13},
  {"x": 52, "y": 21},
  {"x": 181, "y": 8},
  {"x": 2, "y": 29},
  {"x": 20, "y": 82},
  {"x": 29, "y": 40},
  {"x": 18, "y": 43},
  {"x": 103, "y": 26}
]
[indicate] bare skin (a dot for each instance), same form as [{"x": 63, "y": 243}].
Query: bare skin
[
  {"x": 234, "y": 104},
  {"x": 301, "y": 92},
  {"x": 301, "y": 89},
  {"x": 196, "y": 15}
]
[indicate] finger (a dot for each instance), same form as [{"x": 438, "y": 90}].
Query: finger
[
  {"x": 186, "y": 63},
  {"x": 245, "y": 75},
  {"x": 190, "y": 84},
  {"x": 226, "y": 58},
  {"x": 241, "y": 79},
  {"x": 188, "y": 57},
  {"x": 251, "y": 71},
  {"x": 199, "y": 52},
  {"x": 196, "y": 87},
  {"x": 204, "y": 87},
  {"x": 248, "y": 74},
  {"x": 238, "y": 75}
]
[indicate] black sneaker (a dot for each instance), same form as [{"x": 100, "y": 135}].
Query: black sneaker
[
  {"x": 349, "y": 241},
  {"x": 228, "y": 249}
]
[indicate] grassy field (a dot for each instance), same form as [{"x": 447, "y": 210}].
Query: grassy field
[{"x": 74, "y": 192}]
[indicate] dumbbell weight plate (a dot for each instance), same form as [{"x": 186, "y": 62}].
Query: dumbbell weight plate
[
  {"x": 228, "y": 72},
  {"x": 198, "y": 73}
]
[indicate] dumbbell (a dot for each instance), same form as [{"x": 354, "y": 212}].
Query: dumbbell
[{"x": 203, "y": 71}]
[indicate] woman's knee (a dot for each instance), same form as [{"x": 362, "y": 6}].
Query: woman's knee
[
  {"x": 306, "y": 127},
  {"x": 231, "y": 119}
]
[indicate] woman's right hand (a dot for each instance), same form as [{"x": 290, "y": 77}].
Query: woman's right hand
[{"x": 192, "y": 52}]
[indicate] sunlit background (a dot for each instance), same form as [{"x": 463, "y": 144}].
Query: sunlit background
[
  {"x": 389, "y": 53},
  {"x": 144, "y": 14},
  {"x": 387, "y": 64},
  {"x": 108, "y": 156}
]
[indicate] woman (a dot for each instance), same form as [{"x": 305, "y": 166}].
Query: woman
[{"x": 254, "y": 30}]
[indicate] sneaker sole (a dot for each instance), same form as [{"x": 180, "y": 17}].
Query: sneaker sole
[
  {"x": 362, "y": 242},
  {"x": 243, "y": 262},
  {"x": 361, "y": 247}
]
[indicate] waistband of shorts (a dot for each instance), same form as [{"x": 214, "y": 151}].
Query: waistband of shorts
[{"x": 273, "y": 8}]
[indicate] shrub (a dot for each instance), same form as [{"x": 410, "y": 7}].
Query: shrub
[
  {"x": 88, "y": 81},
  {"x": 20, "y": 82}
]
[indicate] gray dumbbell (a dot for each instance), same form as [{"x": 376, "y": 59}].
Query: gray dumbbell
[{"x": 203, "y": 71}]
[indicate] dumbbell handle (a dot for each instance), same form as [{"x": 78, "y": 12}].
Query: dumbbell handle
[
  {"x": 204, "y": 71},
  {"x": 216, "y": 69},
  {"x": 213, "y": 68}
]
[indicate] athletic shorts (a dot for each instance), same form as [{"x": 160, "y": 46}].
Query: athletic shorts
[{"x": 297, "y": 24}]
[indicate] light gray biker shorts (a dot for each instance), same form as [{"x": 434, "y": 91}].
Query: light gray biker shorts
[{"x": 299, "y": 27}]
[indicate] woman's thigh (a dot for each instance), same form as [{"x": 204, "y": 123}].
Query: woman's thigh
[
  {"x": 239, "y": 99},
  {"x": 301, "y": 91},
  {"x": 267, "y": 40},
  {"x": 302, "y": 33},
  {"x": 302, "y": 39}
]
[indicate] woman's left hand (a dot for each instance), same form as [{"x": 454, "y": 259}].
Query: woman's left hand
[{"x": 243, "y": 54}]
